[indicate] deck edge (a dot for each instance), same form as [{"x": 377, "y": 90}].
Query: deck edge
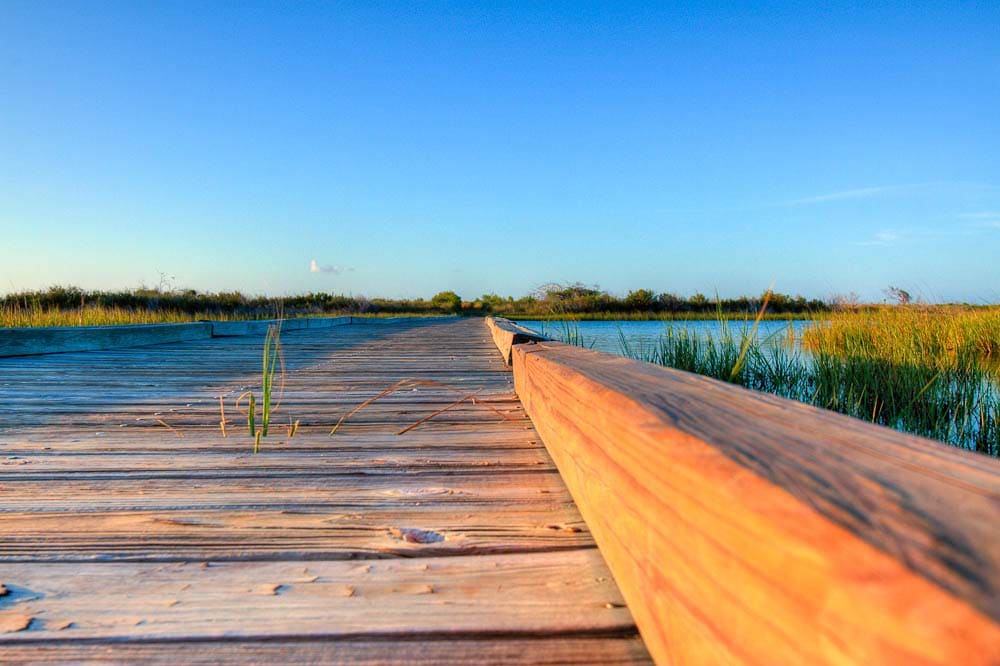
[{"x": 36, "y": 341}]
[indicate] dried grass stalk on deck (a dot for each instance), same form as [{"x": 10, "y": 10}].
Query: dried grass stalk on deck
[{"x": 417, "y": 382}]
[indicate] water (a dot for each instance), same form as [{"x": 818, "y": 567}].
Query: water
[
  {"x": 958, "y": 406},
  {"x": 606, "y": 335}
]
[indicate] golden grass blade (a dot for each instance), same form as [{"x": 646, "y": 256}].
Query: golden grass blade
[
  {"x": 403, "y": 383},
  {"x": 484, "y": 403},
  {"x": 169, "y": 427},
  {"x": 440, "y": 411},
  {"x": 222, "y": 418},
  {"x": 395, "y": 387},
  {"x": 748, "y": 338}
]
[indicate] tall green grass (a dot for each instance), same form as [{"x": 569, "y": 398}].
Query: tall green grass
[
  {"x": 912, "y": 372},
  {"x": 272, "y": 346}
]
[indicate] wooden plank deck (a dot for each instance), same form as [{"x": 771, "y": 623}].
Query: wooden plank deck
[{"x": 130, "y": 529}]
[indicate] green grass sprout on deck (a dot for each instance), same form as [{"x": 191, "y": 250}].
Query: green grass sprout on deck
[
  {"x": 273, "y": 361},
  {"x": 272, "y": 345}
]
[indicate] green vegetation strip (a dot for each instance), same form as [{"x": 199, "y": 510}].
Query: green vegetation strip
[{"x": 72, "y": 306}]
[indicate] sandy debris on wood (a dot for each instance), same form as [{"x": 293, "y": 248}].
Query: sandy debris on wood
[{"x": 11, "y": 622}]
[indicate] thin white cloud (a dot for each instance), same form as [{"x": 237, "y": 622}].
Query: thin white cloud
[
  {"x": 982, "y": 215},
  {"x": 882, "y": 238},
  {"x": 859, "y": 193},
  {"x": 945, "y": 188},
  {"x": 314, "y": 267},
  {"x": 953, "y": 187},
  {"x": 987, "y": 219}
]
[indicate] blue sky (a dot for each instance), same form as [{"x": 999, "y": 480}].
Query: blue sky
[{"x": 495, "y": 147}]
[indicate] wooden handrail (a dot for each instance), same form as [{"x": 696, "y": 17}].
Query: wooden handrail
[
  {"x": 506, "y": 334},
  {"x": 746, "y": 528}
]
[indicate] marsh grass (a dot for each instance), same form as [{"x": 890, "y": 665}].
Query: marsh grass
[
  {"x": 943, "y": 336},
  {"x": 14, "y": 315},
  {"x": 919, "y": 375},
  {"x": 930, "y": 371}
]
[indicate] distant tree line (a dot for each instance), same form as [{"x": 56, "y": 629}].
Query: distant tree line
[
  {"x": 582, "y": 299},
  {"x": 548, "y": 300}
]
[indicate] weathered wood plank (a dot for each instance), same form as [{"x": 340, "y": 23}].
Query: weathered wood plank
[
  {"x": 308, "y": 532},
  {"x": 745, "y": 528},
  {"x": 416, "y": 651},
  {"x": 537, "y": 594},
  {"x": 207, "y": 439},
  {"x": 288, "y": 460},
  {"x": 139, "y": 490}
]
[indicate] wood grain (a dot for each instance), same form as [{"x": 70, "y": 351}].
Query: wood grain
[
  {"x": 744, "y": 528},
  {"x": 517, "y": 594},
  {"x": 417, "y": 651}
]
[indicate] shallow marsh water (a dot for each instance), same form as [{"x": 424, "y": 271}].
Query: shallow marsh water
[
  {"x": 606, "y": 335},
  {"x": 960, "y": 407}
]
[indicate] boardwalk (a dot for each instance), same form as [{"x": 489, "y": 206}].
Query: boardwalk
[{"x": 131, "y": 529}]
